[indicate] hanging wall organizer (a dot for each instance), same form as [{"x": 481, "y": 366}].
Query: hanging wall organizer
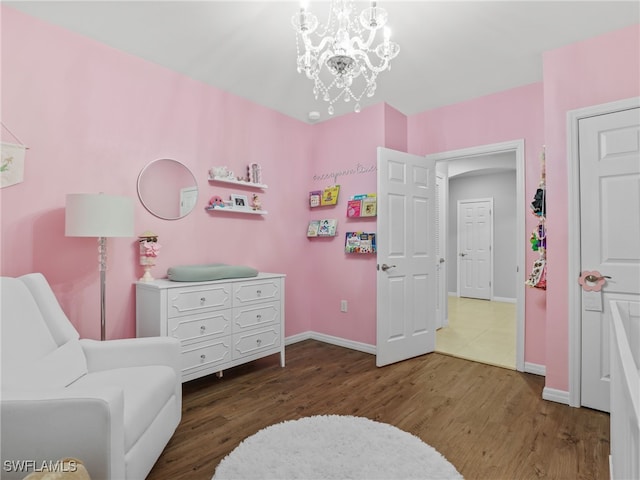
[{"x": 538, "y": 276}]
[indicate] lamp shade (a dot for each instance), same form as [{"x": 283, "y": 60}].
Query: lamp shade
[{"x": 98, "y": 215}]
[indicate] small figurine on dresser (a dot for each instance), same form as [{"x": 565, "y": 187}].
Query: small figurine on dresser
[
  {"x": 256, "y": 204},
  {"x": 149, "y": 249}
]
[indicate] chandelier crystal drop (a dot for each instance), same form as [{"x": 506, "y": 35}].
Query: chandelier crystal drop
[{"x": 343, "y": 63}]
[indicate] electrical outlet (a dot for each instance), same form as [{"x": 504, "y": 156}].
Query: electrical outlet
[{"x": 343, "y": 306}]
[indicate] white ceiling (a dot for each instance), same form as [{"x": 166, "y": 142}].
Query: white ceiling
[{"x": 450, "y": 51}]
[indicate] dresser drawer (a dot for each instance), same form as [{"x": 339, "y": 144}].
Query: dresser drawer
[
  {"x": 254, "y": 341},
  {"x": 256, "y": 291},
  {"x": 198, "y": 356},
  {"x": 188, "y": 300},
  {"x": 259, "y": 315},
  {"x": 200, "y": 327}
]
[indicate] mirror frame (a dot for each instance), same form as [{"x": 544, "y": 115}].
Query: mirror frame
[{"x": 146, "y": 205}]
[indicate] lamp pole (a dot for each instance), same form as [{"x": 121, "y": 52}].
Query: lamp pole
[{"x": 102, "y": 248}]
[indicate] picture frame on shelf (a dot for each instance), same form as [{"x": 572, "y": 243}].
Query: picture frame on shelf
[
  {"x": 239, "y": 202},
  {"x": 254, "y": 173}
]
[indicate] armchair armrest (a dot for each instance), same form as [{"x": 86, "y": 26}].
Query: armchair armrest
[
  {"x": 132, "y": 352},
  {"x": 47, "y": 425}
]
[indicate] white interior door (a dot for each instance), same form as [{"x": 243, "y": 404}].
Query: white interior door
[
  {"x": 441, "y": 251},
  {"x": 609, "y": 149},
  {"x": 188, "y": 199},
  {"x": 406, "y": 257},
  {"x": 475, "y": 237}
]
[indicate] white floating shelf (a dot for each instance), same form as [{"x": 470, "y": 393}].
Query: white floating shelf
[
  {"x": 236, "y": 210},
  {"x": 236, "y": 182}
]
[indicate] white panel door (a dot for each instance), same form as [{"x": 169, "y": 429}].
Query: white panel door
[
  {"x": 475, "y": 236},
  {"x": 441, "y": 249},
  {"x": 609, "y": 149},
  {"x": 406, "y": 257},
  {"x": 188, "y": 199}
]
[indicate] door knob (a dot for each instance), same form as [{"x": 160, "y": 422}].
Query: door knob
[
  {"x": 462, "y": 254},
  {"x": 441, "y": 260},
  {"x": 593, "y": 278},
  {"x": 386, "y": 267},
  {"x": 592, "y": 281}
]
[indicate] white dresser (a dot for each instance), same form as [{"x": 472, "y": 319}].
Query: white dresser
[{"x": 220, "y": 324}]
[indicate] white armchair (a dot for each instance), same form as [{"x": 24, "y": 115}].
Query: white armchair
[{"x": 113, "y": 405}]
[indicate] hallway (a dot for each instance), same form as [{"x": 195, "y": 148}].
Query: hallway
[{"x": 480, "y": 330}]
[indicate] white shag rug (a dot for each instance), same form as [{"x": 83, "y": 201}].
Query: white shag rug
[{"x": 334, "y": 447}]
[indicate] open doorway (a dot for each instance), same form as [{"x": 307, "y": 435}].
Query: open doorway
[{"x": 490, "y": 327}]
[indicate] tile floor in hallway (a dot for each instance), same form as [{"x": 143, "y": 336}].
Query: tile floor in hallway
[{"x": 480, "y": 330}]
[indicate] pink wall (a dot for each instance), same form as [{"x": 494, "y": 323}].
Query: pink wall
[
  {"x": 345, "y": 145},
  {"x": 595, "y": 71},
  {"x": 510, "y": 115},
  {"x": 93, "y": 117}
]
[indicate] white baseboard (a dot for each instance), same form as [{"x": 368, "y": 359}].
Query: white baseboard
[
  {"x": 535, "y": 369},
  {"x": 504, "y": 299},
  {"x": 495, "y": 299},
  {"x": 299, "y": 337},
  {"x": 341, "y": 342},
  {"x": 553, "y": 395}
]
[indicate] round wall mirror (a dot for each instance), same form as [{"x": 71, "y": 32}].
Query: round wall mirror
[{"x": 167, "y": 189}]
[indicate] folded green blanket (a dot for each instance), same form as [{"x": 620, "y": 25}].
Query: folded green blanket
[{"x": 212, "y": 271}]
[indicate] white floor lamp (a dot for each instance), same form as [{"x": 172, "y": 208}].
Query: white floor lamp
[{"x": 102, "y": 216}]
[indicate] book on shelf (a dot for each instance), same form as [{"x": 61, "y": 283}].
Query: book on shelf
[
  {"x": 322, "y": 228},
  {"x": 364, "y": 205},
  {"x": 360, "y": 242},
  {"x": 330, "y": 195},
  {"x": 327, "y": 227},
  {"x": 369, "y": 206},
  {"x": 353, "y": 208},
  {"x": 312, "y": 229},
  {"x": 314, "y": 198}
]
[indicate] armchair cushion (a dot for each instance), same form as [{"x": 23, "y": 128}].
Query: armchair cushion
[
  {"x": 61, "y": 329},
  {"x": 59, "y": 368},
  {"x": 32, "y": 358},
  {"x": 141, "y": 405},
  {"x": 30, "y": 337}
]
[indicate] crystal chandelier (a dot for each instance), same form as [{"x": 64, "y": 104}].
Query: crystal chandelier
[{"x": 343, "y": 64}]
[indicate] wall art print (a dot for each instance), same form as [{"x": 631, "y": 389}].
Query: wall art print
[{"x": 12, "y": 164}]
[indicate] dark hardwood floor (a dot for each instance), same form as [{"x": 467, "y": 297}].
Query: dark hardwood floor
[{"x": 489, "y": 422}]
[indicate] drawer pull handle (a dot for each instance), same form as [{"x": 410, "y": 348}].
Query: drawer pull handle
[
  {"x": 259, "y": 317},
  {"x": 258, "y": 292},
  {"x": 202, "y": 300},
  {"x": 202, "y": 329},
  {"x": 202, "y": 357},
  {"x": 258, "y": 341}
]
